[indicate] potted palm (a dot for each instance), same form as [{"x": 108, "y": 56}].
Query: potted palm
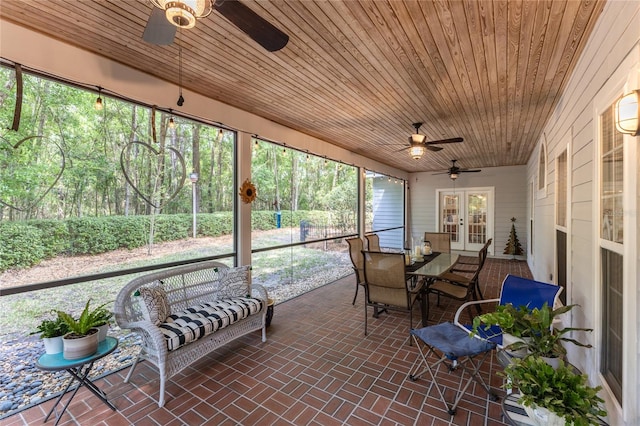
[
  {"x": 555, "y": 396},
  {"x": 82, "y": 339},
  {"x": 51, "y": 332}
]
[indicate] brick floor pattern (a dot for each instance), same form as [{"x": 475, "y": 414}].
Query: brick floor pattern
[{"x": 316, "y": 368}]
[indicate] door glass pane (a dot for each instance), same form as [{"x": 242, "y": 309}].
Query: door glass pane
[
  {"x": 449, "y": 219},
  {"x": 477, "y": 218}
]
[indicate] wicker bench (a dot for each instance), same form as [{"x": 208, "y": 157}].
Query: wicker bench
[{"x": 186, "y": 312}]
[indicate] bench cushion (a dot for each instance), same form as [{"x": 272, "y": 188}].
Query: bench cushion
[{"x": 203, "y": 319}]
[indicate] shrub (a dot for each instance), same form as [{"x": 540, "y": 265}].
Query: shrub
[{"x": 20, "y": 245}]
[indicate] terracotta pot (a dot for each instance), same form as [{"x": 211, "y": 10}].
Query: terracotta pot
[
  {"x": 52, "y": 345},
  {"x": 80, "y": 347}
]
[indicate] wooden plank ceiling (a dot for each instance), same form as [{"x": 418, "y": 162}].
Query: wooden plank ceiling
[{"x": 358, "y": 73}]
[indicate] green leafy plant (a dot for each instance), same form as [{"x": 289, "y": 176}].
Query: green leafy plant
[
  {"x": 534, "y": 325},
  {"x": 101, "y": 316},
  {"x": 509, "y": 318},
  {"x": 546, "y": 340},
  {"x": 52, "y": 328},
  {"x": 88, "y": 319},
  {"x": 560, "y": 390}
]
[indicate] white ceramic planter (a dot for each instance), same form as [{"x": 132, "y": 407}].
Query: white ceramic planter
[
  {"x": 543, "y": 417},
  {"x": 81, "y": 347},
  {"x": 102, "y": 332},
  {"x": 508, "y": 339},
  {"x": 52, "y": 345}
]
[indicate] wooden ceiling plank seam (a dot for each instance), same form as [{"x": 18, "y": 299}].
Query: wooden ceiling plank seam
[{"x": 515, "y": 17}]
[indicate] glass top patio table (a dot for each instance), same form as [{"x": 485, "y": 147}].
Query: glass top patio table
[{"x": 437, "y": 266}]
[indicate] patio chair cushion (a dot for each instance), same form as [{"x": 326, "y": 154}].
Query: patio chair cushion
[
  {"x": 201, "y": 320},
  {"x": 155, "y": 306}
]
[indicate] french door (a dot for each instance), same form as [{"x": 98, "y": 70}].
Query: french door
[{"x": 467, "y": 214}]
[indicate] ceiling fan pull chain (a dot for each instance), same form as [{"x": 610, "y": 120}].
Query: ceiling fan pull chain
[{"x": 180, "y": 98}]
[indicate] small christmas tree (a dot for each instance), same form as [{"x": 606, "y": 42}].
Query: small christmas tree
[{"x": 513, "y": 245}]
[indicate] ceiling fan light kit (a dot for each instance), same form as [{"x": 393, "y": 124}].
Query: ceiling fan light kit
[
  {"x": 184, "y": 13},
  {"x": 418, "y": 144}
]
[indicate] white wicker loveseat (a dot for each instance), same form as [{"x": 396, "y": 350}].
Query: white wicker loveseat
[{"x": 186, "y": 312}]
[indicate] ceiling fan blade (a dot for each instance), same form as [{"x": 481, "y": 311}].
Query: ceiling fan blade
[
  {"x": 468, "y": 171},
  {"x": 441, "y": 173},
  {"x": 159, "y": 30},
  {"x": 433, "y": 148},
  {"x": 451, "y": 140},
  {"x": 252, "y": 24}
]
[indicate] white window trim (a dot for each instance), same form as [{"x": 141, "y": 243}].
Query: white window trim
[{"x": 604, "y": 99}]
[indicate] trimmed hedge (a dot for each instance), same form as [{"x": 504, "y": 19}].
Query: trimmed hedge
[{"x": 27, "y": 243}]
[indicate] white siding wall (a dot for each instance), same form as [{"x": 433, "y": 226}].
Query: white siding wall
[
  {"x": 388, "y": 212},
  {"x": 608, "y": 66},
  {"x": 510, "y": 192}
]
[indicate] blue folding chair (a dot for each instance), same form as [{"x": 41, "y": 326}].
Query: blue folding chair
[
  {"x": 519, "y": 292},
  {"x": 457, "y": 352}
]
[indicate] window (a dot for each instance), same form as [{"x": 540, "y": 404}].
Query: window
[
  {"x": 561, "y": 190},
  {"x": 305, "y": 206},
  {"x": 542, "y": 171},
  {"x": 611, "y": 249}
]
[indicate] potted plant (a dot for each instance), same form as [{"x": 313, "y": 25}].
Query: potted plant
[
  {"x": 545, "y": 340},
  {"x": 555, "y": 396},
  {"x": 101, "y": 320},
  {"x": 51, "y": 332},
  {"x": 82, "y": 340},
  {"x": 513, "y": 324}
]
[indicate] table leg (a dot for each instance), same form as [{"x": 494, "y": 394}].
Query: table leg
[{"x": 79, "y": 374}]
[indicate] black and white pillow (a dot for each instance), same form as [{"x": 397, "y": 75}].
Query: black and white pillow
[
  {"x": 234, "y": 282},
  {"x": 156, "y": 306}
]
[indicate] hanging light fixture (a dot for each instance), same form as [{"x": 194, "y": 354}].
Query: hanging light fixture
[
  {"x": 627, "y": 114},
  {"x": 98, "y": 105},
  {"x": 184, "y": 13},
  {"x": 453, "y": 175},
  {"x": 416, "y": 141},
  {"x": 172, "y": 124}
]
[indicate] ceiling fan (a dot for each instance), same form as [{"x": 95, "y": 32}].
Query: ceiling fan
[
  {"x": 168, "y": 15},
  {"x": 418, "y": 143},
  {"x": 454, "y": 171}
]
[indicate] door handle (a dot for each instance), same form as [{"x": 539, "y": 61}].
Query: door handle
[{"x": 461, "y": 222}]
